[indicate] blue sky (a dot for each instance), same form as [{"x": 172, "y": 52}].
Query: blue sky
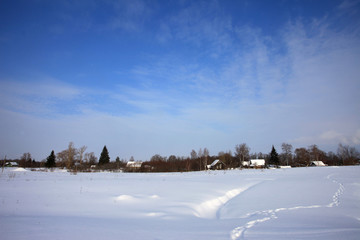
[{"x": 166, "y": 77}]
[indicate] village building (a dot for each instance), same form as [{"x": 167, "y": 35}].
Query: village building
[
  {"x": 257, "y": 163},
  {"x": 245, "y": 163},
  {"x": 317, "y": 164},
  {"x": 133, "y": 166},
  {"x": 11, "y": 164},
  {"x": 216, "y": 165},
  {"x": 254, "y": 163}
]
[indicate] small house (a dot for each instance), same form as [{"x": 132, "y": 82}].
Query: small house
[
  {"x": 257, "y": 163},
  {"x": 317, "y": 164},
  {"x": 245, "y": 163},
  {"x": 11, "y": 164},
  {"x": 216, "y": 165},
  {"x": 133, "y": 165}
]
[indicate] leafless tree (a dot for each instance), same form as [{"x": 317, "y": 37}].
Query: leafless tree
[
  {"x": 62, "y": 157},
  {"x": 193, "y": 154},
  {"x": 206, "y": 156},
  {"x": 187, "y": 164},
  {"x": 156, "y": 157},
  {"x": 25, "y": 158},
  {"x": 302, "y": 156},
  {"x": 316, "y": 154},
  {"x": 287, "y": 152},
  {"x": 172, "y": 158},
  {"x": 348, "y": 155},
  {"x": 242, "y": 152},
  {"x": 200, "y": 153},
  {"x": 71, "y": 151},
  {"x": 90, "y": 158},
  {"x": 81, "y": 152},
  {"x": 67, "y": 157},
  {"x": 200, "y": 156},
  {"x": 226, "y": 157}
]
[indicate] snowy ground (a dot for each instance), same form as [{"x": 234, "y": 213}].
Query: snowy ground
[{"x": 301, "y": 203}]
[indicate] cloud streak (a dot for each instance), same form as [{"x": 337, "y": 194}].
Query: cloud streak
[{"x": 226, "y": 83}]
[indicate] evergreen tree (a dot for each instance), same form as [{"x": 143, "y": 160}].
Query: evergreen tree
[
  {"x": 104, "y": 157},
  {"x": 274, "y": 157},
  {"x": 50, "y": 160}
]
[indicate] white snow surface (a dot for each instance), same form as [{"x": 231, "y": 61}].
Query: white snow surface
[
  {"x": 19, "y": 170},
  {"x": 295, "y": 203}
]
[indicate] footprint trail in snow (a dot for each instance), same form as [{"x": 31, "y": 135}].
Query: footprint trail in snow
[{"x": 263, "y": 216}]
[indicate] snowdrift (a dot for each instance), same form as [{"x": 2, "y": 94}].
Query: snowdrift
[{"x": 296, "y": 203}]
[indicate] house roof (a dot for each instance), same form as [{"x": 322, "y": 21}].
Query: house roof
[
  {"x": 257, "y": 162},
  {"x": 214, "y": 162},
  {"x": 11, "y": 164},
  {"x": 318, "y": 163},
  {"x": 133, "y": 164}
]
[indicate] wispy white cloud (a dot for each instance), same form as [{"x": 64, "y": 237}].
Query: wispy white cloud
[
  {"x": 240, "y": 85},
  {"x": 323, "y": 82},
  {"x": 349, "y": 6},
  {"x": 305, "y": 91},
  {"x": 47, "y": 87},
  {"x": 36, "y": 97},
  {"x": 199, "y": 23}
]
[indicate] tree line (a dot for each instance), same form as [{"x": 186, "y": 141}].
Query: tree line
[{"x": 77, "y": 159}]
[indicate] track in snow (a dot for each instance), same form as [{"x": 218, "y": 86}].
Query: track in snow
[{"x": 263, "y": 216}]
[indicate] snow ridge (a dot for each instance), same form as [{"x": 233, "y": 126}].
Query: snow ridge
[
  {"x": 209, "y": 209},
  {"x": 267, "y": 215}
]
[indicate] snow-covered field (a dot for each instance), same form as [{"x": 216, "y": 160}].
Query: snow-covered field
[{"x": 301, "y": 203}]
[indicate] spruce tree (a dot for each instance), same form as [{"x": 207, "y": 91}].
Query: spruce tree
[
  {"x": 274, "y": 157},
  {"x": 104, "y": 157},
  {"x": 50, "y": 160}
]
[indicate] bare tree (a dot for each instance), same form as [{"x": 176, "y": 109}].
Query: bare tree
[
  {"x": 333, "y": 159},
  {"x": 287, "y": 152},
  {"x": 172, "y": 158},
  {"x": 157, "y": 157},
  {"x": 90, "y": 158},
  {"x": 242, "y": 152},
  {"x": 26, "y": 158},
  {"x": 200, "y": 153},
  {"x": 226, "y": 157},
  {"x": 314, "y": 152},
  {"x": 81, "y": 152},
  {"x": 200, "y": 156},
  {"x": 71, "y": 152},
  {"x": 206, "y": 156},
  {"x": 348, "y": 155},
  {"x": 188, "y": 164},
  {"x": 117, "y": 161},
  {"x": 87, "y": 156},
  {"x": 67, "y": 157},
  {"x": 302, "y": 156},
  {"x": 193, "y": 154},
  {"x": 62, "y": 158}
]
